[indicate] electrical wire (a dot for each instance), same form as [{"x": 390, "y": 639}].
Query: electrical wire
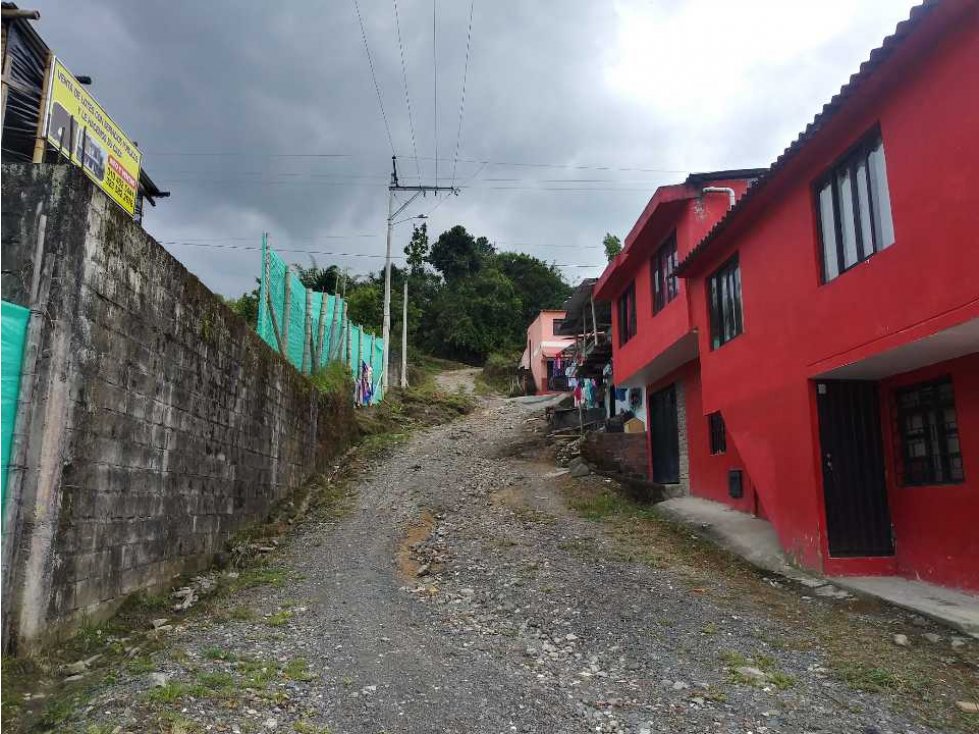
[
  {"x": 481, "y": 161},
  {"x": 435, "y": 75},
  {"x": 404, "y": 80},
  {"x": 462, "y": 100},
  {"x": 377, "y": 87},
  {"x": 335, "y": 254}
]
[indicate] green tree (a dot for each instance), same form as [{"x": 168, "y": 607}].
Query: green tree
[
  {"x": 457, "y": 254},
  {"x": 246, "y": 306},
  {"x": 613, "y": 246},
  {"x": 473, "y": 317},
  {"x": 365, "y": 304},
  {"x": 321, "y": 280},
  {"x": 537, "y": 284},
  {"x": 417, "y": 249}
]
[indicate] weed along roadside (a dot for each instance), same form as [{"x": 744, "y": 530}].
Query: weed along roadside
[{"x": 46, "y": 690}]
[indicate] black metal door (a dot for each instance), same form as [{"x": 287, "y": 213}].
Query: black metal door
[
  {"x": 858, "y": 519},
  {"x": 665, "y": 437}
]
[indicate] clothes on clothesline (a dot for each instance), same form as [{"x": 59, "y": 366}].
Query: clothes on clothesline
[
  {"x": 364, "y": 385},
  {"x": 586, "y": 393}
]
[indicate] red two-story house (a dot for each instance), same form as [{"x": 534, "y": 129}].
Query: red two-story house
[
  {"x": 655, "y": 344},
  {"x": 836, "y": 310}
]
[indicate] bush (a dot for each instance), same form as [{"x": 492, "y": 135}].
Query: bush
[
  {"x": 500, "y": 373},
  {"x": 334, "y": 378}
]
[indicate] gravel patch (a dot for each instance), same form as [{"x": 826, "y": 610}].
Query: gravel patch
[{"x": 462, "y": 595}]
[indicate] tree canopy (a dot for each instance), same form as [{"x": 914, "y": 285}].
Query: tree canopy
[{"x": 613, "y": 246}]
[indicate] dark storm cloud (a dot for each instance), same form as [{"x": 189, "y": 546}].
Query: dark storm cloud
[{"x": 220, "y": 96}]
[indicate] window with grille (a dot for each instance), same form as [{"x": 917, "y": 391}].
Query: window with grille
[
  {"x": 718, "y": 437},
  {"x": 627, "y": 314},
  {"x": 929, "y": 434},
  {"x": 854, "y": 208},
  {"x": 724, "y": 294},
  {"x": 664, "y": 281}
]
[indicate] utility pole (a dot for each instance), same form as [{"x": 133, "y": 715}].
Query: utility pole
[
  {"x": 392, "y": 213},
  {"x": 404, "y": 338}
]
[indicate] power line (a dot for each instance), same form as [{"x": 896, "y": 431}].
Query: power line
[
  {"x": 435, "y": 75},
  {"x": 300, "y": 251},
  {"x": 252, "y": 238},
  {"x": 482, "y": 161},
  {"x": 377, "y": 88},
  {"x": 404, "y": 79},
  {"x": 462, "y": 100}
]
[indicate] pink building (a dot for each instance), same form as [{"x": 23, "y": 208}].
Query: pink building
[{"x": 543, "y": 347}]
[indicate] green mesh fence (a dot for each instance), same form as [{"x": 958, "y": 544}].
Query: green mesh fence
[
  {"x": 311, "y": 329},
  {"x": 13, "y": 324}
]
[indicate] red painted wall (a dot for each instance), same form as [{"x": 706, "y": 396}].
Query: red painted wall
[
  {"x": 937, "y": 528},
  {"x": 926, "y": 102},
  {"x": 691, "y": 218},
  {"x": 708, "y": 473}
]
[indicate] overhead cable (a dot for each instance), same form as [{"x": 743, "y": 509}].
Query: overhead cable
[
  {"x": 404, "y": 80},
  {"x": 462, "y": 100},
  {"x": 377, "y": 87}
]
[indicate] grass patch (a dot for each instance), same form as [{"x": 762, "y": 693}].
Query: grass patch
[
  {"x": 298, "y": 669},
  {"x": 258, "y": 576},
  {"x": 257, "y": 673},
  {"x": 863, "y": 677},
  {"x": 279, "y": 618},
  {"x": 141, "y": 664},
  {"x": 765, "y": 663},
  {"x": 170, "y": 692},
  {"x": 218, "y": 653},
  {"x": 304, "y": 727}
]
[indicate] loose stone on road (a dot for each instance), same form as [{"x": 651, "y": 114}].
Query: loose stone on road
[{"x": 462, "y": 594}]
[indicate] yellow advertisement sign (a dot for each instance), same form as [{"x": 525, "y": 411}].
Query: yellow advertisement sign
[{"x": 81, "y": 130}]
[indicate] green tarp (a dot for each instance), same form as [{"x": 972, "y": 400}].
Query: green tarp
[
  {"x": 312, "y": 327},
  {"x": 14, "y": 327}
]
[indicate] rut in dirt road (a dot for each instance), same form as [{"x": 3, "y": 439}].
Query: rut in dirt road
[{"x": 462, "y": 595}]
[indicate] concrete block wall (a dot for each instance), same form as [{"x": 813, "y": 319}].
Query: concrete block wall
[
  {"x": 682, "y": 438},
  {"x": 159, "y": 422}
]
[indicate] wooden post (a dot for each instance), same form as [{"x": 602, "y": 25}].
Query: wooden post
[
  {"x": 321, "y": 334},
  {"x": 594, "y": 321},
  {"x": 307, "y": 332},
  {"x": 286, "y": 307},
  {"x": 336, "y": 335},
  {"x": 404, "y": 339},
  {"x": 275, "y": 326},
  {"x": 39, "y": 141}
]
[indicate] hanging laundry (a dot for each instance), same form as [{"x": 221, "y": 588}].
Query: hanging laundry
[{"x": 364, "y": 385}]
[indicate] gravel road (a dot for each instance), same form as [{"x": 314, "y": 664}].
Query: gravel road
[{"x": 462, "y": 595}]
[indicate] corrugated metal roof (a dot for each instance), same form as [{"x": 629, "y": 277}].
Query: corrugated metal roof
[{"x": 877, "y": 57}]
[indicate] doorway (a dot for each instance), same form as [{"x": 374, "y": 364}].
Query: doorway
[
  {"x": 664, "y": 436},
  {"x": 858, "y": 518}
]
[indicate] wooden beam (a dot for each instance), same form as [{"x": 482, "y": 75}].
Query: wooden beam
[{"x": 39, "y": 136}]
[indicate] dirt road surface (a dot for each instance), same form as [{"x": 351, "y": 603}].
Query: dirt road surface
[
  {"x": 463, "y": 380},
  {"x": 462, "y": 594}
]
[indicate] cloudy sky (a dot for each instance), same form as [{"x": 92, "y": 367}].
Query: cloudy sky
[{"x": 264, "y": 117}]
